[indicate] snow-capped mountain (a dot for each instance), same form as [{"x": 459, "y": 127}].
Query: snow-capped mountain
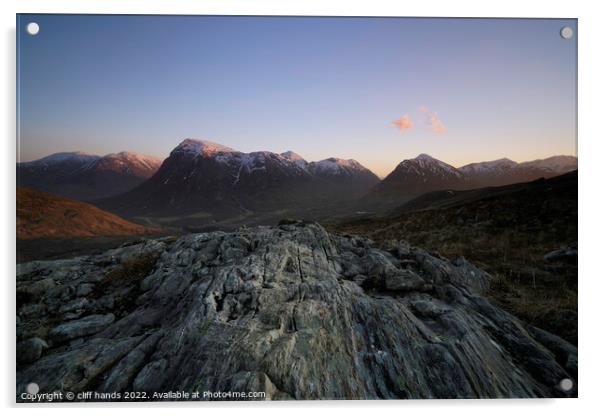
[
  {"x": 491, "y": 173},
  {"x": 202, "y": 176},
  {"x": 132, "y": 163},
  {"x": 194, "y": 148},
  {"x": 413, "y": 177},
  {"x": 505, "y": 171},
  {"x": 83, "y": 176},
  {"x": 554, "y": 164},
  {"x": 334, "y": 166},
  {"x": 493, "y": 166},
  {"x": 346, "y": 176},
  {"x": 78, "y": 159},
  {"x": 419, "y": 175},
  {"x": 294, "y": 157}
]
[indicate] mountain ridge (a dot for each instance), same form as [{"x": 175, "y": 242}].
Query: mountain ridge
[
  {"x": 87, "y": 177},
  {"x": 423, "y": 174},
  {"x": 203, "y": 176}
]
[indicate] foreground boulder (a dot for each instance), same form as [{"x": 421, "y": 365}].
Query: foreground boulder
[{"x": 292, "y": 311}]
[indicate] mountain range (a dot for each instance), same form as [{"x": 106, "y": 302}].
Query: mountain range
[
  {"x": 87, "y": 177},
  {"x": 212, "y": 183},
  {"x": 202, "y": 176},
  {"x": 413, "y": 177}
]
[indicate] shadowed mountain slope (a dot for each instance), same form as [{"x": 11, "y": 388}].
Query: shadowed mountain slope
[
  {"x": 205, "y": 178},
  {"x": 509, "y": 231},
  {"x": 87, "y": 177}
]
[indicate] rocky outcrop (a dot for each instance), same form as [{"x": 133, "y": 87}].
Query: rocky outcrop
[{"x": 292, "y": 311}]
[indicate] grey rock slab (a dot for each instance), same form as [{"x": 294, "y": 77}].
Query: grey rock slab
[
  {"x": 30, "y": 350},
  {"x": 294, "y": 311},
  {"x": 89, "y": 325}
]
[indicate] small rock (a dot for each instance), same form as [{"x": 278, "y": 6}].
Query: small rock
[
  {"x": 427, "y": 308},
  {"x": 76, "y": 308},
  {"x": 30, "y": 350},
  {"x": 360, "y": 279},
  {"x": 32, "y": 310},
  {"x": 390, "y": 245},
  {"x": 80, "y": 328},
  {"x": 405, "y": 280},
  {"x": 403, "y": 249},
  {"x": 40, "y": 287},
  {"x": 150, "y": 377},
  {"x": 84, "y": 289},
  {"x": 107, "y": 302}
]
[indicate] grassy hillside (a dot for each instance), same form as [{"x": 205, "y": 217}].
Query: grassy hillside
[
  {"x": 506, "y": 231},
  {"x": 40, "y": 214}
]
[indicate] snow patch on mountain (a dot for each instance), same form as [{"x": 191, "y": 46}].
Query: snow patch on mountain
[
  {"x": 425, "y": 164},
  {"x": 133, "y": 159},
  {"x": 201, "y": 147},
  {"x": 294, "y": 157},
  {"x": 492, "y": 166},
  {"x": 79, "y": 157},
  {"x": 254, "y": 161},
  {"x": 334, "y": 165},
  {"x": 554, "y": 163}
]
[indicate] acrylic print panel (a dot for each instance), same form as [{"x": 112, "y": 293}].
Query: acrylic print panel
[{"x": 295, "y": 208}]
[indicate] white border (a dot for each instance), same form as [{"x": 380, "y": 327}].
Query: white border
[{"x": 589, "y": 211}]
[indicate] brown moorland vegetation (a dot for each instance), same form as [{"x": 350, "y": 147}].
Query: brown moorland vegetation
[
  {"x": 505, "y": 231},
  {"x": 40, "y": 214}
]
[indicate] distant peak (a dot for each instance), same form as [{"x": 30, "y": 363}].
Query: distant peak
[
  {"x": 123, "y": 154},
  {"x": 290, "y": 155},
  {"x": 555, "y": 163},
  {"x": 338, "y": 161},
  {"x": 127, "y": 155},
  {"x": 62, "y": 157},
  {"x": 424, "y": 156},
  {"x": 493, "y": 163},
  {"x": 67, "y": 155},
  {"x": 335, "y": 162},
  {"x": 205, "y": 147}
]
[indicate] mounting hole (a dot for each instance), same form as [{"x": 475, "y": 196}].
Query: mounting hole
[
  {"x": 32, "y": 28},
  {"x": 32, "y": 388},
  {"x": 566, "y": 32},
  {"x": 566, "y": 384}
]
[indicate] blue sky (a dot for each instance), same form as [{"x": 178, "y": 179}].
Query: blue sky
[{"x": 462, "y": 90}]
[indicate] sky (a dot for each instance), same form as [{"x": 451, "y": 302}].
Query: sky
[{"x": 377, "y": 90}]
